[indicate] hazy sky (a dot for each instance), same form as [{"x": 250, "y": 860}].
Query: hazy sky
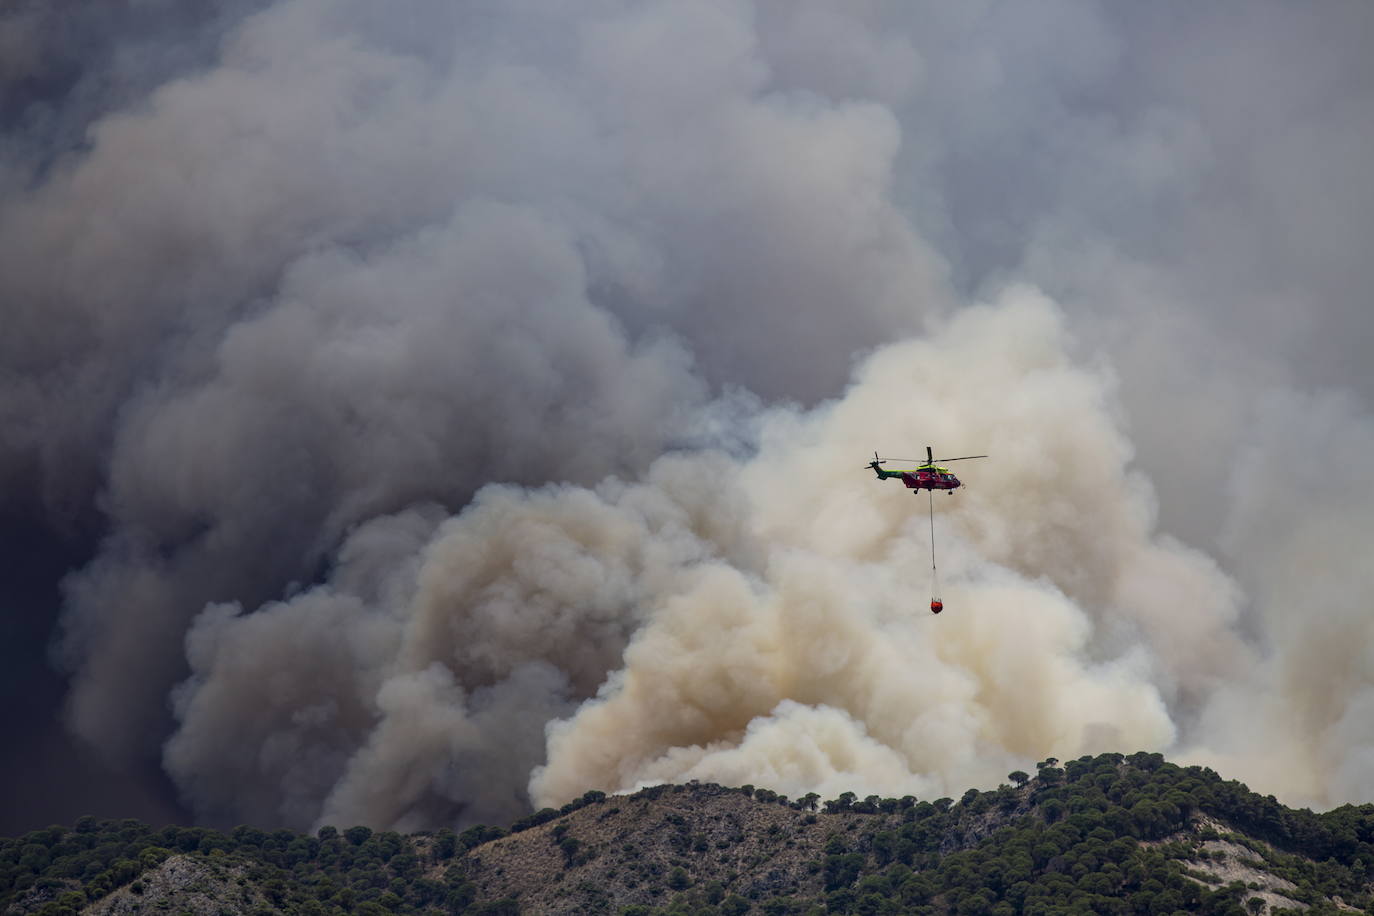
[{"x": 410, "y": 415}]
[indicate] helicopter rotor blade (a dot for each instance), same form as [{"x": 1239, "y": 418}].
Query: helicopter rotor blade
[{"x": 935, "y": 460}]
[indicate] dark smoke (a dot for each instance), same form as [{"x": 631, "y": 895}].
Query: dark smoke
[{"x": 285, "y": 288}]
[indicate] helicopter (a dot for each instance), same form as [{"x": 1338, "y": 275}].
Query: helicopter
[
  {"x": 927, "y": 475},
  {"x": 930, "y": 477}
]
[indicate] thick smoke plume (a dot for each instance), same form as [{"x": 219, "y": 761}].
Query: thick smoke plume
[
  {"x": 727, "y": 625},
  {"x": 453, "y": 409}
]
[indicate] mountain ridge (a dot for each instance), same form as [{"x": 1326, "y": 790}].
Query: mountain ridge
[{"x": 1111, "y": 833}]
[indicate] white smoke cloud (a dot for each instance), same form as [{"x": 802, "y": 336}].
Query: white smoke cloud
[{"x": 835, "y": 618}]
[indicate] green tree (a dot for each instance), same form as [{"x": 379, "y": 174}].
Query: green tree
[{"x": 734, "y": 905}]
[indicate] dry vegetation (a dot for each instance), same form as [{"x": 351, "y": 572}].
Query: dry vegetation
[{"x": 641, "y": 848}]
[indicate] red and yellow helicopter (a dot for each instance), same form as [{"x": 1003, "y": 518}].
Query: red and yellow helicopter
[{"x": 930, "y": 477}]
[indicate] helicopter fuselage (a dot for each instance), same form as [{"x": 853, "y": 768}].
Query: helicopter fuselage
[{"x": 929, "y": 477}]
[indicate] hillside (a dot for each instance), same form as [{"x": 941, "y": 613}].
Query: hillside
[{"x": 1106, "y": 834}]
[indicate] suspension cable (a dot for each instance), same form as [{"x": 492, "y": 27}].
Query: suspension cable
[{"x": 934, "y": 573}]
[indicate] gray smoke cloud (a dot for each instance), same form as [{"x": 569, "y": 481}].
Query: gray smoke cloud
[{"x": 466, "y": 401}]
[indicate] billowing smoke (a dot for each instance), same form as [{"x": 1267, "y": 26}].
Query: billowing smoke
[
  {"x": 257, "y": 334},
  {"x": 468, "y": 405},
  {"x": 728, "y": 623}
]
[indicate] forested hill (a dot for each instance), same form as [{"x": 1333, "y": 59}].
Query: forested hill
[{"x": 1106, "y": 834}]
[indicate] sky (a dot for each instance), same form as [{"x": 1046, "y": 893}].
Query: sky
[{"x": 418, "y": 416}]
